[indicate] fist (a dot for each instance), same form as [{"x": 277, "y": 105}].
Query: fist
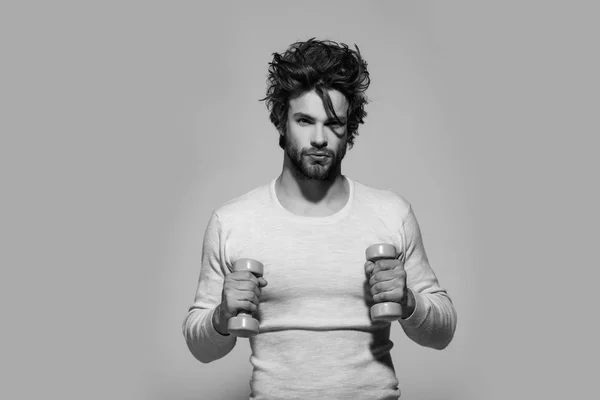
[
  {"x": 387, "y": 280},
  {"x": 241, "y": 292}
]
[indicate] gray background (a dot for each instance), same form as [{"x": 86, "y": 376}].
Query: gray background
[{"x": 124, "y": 124}]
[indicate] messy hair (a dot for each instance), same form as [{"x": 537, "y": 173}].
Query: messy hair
[{"x": 319, "y": 65}]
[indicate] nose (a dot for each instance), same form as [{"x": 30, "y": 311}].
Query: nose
[{"x": 318, "y": 139}]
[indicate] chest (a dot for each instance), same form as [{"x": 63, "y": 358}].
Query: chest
[{"x": 310, "y": 261}]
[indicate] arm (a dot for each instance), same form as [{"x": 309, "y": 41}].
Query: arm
[
  {"x": 433, "y": 321},
  {"x": 202, "y": 338}
]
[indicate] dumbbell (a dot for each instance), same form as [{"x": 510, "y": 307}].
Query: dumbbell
[
  {"x": 243, "y": 325},
  {"x": 387, "y": 311}
]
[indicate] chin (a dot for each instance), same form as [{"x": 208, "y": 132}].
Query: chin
[{"x": 321, "y": 174}]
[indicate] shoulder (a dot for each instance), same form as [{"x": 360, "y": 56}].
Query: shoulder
[
  {"x": 244, "y": 206},
  {"x": 388, "y": 200}
]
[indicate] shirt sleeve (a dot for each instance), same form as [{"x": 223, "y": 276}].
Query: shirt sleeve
[
  {"x": 433, "y": 322},
  {"x": 203, "y": 341}
]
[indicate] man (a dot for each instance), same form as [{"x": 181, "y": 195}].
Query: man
[{"x": 310, "y": 228}]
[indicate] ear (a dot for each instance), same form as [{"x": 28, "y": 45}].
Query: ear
[{"x": 281, "y": 129}]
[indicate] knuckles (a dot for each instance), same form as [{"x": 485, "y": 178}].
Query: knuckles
[
  {"x": 393, "y": 295},
  {"x": 379, "y": 297},
  {"x": 383, "y": 276},
  {"x": 374, "y": 290},
  {"x": 394, "y": 284}
]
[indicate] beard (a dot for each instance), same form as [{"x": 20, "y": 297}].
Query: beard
[{"x": 307, "y": 168}]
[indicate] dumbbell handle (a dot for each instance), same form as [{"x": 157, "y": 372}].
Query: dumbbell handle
[{"x": 385, "y": 311}]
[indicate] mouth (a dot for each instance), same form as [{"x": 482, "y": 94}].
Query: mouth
[{"x": 318, "y": 156}]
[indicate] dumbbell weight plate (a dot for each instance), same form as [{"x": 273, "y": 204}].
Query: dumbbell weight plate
[{"x": 243, "y": 325}]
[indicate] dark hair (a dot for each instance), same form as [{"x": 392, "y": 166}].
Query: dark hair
[{"x": 318, "y": 65}]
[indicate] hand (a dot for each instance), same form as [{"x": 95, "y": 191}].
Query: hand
[
  {"x": 387, "y": 279},
  {"x": 241, "y": 292}
]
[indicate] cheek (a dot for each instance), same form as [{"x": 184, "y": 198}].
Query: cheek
[
  {"x": 292, "y": 145},
  {"x": 341, "y": 144},
  {"x": 298, "y": 136}
]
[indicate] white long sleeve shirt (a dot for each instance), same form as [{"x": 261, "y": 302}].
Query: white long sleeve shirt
[{"x": 316, "y": 339}]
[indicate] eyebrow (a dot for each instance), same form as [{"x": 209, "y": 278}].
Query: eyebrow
[{"x": 302, "y": 115}]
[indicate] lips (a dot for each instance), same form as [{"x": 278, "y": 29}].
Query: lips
[{"x": 319, "y": 154}]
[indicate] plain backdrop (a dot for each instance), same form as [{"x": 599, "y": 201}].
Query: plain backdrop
[{"x": 124, "y": 124}]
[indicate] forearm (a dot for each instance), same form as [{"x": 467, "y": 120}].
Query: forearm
[
  {"x": 433, "y": 321},
  {"x": 203, "y": 337}
]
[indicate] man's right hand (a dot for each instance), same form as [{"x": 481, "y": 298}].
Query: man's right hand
[{"x": 241, "y": 292}]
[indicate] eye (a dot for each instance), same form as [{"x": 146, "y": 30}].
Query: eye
[{"x": 303, "y": 121}]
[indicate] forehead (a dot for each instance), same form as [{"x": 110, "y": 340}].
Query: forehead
[{"x": 310, "y": 103}]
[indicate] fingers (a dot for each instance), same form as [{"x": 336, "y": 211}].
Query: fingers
[
  {"x": 241, "y": 291},
  {"x": 395, "y": 295},
  {"x": 384, "y": 276},
  {"x": 387, "y": 265},
  {"x": 241, "y": 296},
  {"x": 245, "y": 305},
  {"x": 387, "y": 286},
  {"x": 369, "y": 265},
  {"x": 387, "y": 279},
  {"x": 248, "y": 297},
  {"x": 246, "y": 276},
  {"x": 243, "y": 276},
  {"x": 382, "y": 265},
  {"x": 247, "y": 286}
]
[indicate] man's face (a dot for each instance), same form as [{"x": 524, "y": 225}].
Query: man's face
[{"x": 309, "y": 130}]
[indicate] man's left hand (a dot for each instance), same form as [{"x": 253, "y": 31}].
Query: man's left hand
[{"x": 388, "y": 283}]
